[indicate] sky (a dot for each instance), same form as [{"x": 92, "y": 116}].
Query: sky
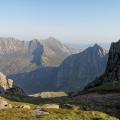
[{"x": 71, "y": 21}]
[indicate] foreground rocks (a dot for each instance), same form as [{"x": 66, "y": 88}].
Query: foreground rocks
[
  {"x": 39, "y": 113},
  {"x": 7, "y": 87},
  {"x": 41, "y": 110},
  {"x": 4, "y": 104}
]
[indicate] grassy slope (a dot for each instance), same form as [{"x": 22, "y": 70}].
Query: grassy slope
[
  {"x": 108, "y": 87},
  {"x": 61, "y": 114}
]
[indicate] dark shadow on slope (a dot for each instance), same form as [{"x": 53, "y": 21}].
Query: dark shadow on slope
[
  {"x": 37, "y": 55},
  {"x": 37, "y": 51},
  {"x": 42, "y": 79}
]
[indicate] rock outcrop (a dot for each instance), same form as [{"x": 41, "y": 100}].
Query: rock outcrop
[
  {"x": 8, "y": 87},
  {"x": 112, "y": 72},
  {"x": 4, "y": 104},
  {"x": 80, "y": 69}
]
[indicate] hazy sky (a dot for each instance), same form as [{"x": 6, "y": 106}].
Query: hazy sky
[{"x": 84, "y": 21}]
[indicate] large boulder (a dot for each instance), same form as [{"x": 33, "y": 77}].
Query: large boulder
[
  {"x": 39, "y": 113},
  {"x": 8, "y": 87}
]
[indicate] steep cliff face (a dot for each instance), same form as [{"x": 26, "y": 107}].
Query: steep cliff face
[
  {"x": 112, "y": 72},
  {"x": 80, "y": 69},
  {"x": 7, "y": 86}
]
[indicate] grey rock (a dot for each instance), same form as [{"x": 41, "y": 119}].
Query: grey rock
[
  {"x": 23, "y": 56},
  {"x": 28, "y": 62},
  {"x": 39, "y": 113},
  {"x": 80, "y": 69}
]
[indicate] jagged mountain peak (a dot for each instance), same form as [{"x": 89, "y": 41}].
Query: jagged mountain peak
[
  {"x": 95, "y": 47},
  {"x": 96, "y": 50},
  {"x": 35, "y": 40}
]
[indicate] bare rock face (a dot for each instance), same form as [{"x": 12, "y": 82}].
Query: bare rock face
[
  {"x": 112, "y": 72},
  {"x": 7, "y": 86},
  {"x": 55, "y": 52},
  {"x": 80, "y": 69},
  {"x": 28, "y": 62},
  {"x": 18, "y": 56},
  {"x": 4, "y": 83}
]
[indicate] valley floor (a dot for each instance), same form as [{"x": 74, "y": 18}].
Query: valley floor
[{"x": 91, "y": 106}]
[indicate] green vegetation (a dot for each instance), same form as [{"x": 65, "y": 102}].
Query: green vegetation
[
  {"x": 16, "y": 114},
  {"x": 55, "y": 114},
  {"x": 108, "y": 87},
  {"x": 62, "y": 114}
]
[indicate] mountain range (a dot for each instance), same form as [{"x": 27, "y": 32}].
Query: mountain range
[
  {"x": 53, "y": 66},
  {"x": 24, "y": 56}
]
